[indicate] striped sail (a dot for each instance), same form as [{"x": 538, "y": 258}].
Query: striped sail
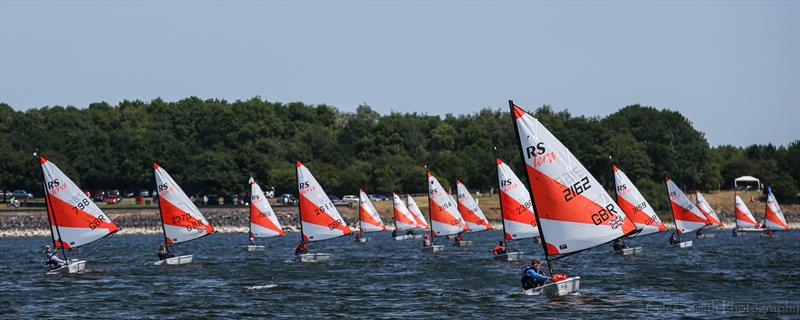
[
  {"x": 516, "y": 207},
  {"x": 470, "y": 211},
  {"x": 369, "y": 219},
  {"x": 445, "y": 218},
  {"x": 414, "y": 208},
  {"x": 263, "y": 221},
  {"x": 319, "y": 218},
  {"x": 687, "y": 216},
  {"x": 773, "y": 214},
  {"x": 403, "y": 219},
  {"x": 707, "y": 210},
  {"x": 575, "y": 211},
  {"x": 635, "y": 206},
  {"x": 181, "y": 218},
  {"x": 744, "y": 219},
  {"x": 74, "y": 219}
]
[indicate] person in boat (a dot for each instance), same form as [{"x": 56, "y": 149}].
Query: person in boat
[
  {"x": 163, "y": 253},
  {"x": 699, "y": 232},
  {"x": 395, "y": 233},
  {"x": 533, "y": 276},
  {"x": 358, "y": 236},
  {"x": 252, "y": 240},
  {"x": 302, "y": 248},
  {"x": 673, "y": 239},
  {"x": 426, "y": 242},
  {"x": 51, "y": 258},
  {"x": 619, "y": 245},
  {"x": 458, "y": 238},
  {"x": 500, "y": 248}
]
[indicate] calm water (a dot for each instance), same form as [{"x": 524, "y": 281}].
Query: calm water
[{"x": 722, "y": 277}]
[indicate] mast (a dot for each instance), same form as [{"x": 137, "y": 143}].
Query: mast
[
  {"x": 500, "y": 197},
  {"x": 360, "y": 227},
  {"x": 674, "y": 220},
  {"x": 50, "y": 212},
  {"x": 299, "y": 207},
  {"x": 250, "y": 226},
  {"x": 160, "y": 213},
  {"x": 430, "y": 216},
  {"x": 530, "y": 190}
]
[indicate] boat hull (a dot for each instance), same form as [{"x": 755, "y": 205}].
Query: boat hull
[
  {"x": 72, "y": 266},
  {"x": 751, "y": 230},
  {"x": 557, "y": 289},
  {"x": 408, "y": 237},
  {"x": 629, "y": 251},
  {"x": 683, "y": 245},
  {"x": 509, "y": 256},
  {"x": 255, "y": 248},
  {"x": 362, "y": 240},
  {"x": 463, "y": 243},
  {"x": 433, "y": 248},
  {"x": 706, "y": 236},
  {"x": 312, "y": 257},
  {"x": 176, "y": 261}
]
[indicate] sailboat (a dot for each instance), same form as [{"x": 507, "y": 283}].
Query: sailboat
[
  {"x": 74, "y": 219},
  {"x": 745, "y": 222},
  {"x": 516, "y": 210},
  {"x": 181, "y": 221},
  {"x": 404, "y": 220},
  {"x": 636, "y": 207},
  {"x": 574, "y": 212},
  {"x": 414, "y": 208},
  {"x": 708, "y": 211},
  {"x": 263, "y": 221},
  {"x": 687, "y": 216},
  {"x": 773, "y": 216},
  {"x": 368, "y": 218},
  {"x": 445, "y": 219},
  {"x": 473, "y": 215},
  {"x": 319, "y": 218}
]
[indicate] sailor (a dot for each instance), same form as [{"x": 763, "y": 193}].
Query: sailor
[
  {"x": 673, "y": 239},
  {"x": 358, "y": 236},
  {"x": 426, "y": 242},
  {"x": 533, "y": 276},
  {"x": 252, "y": 240},
  {"x": 500, "y": 248},
  {"x": 619, "y": 245},
  {"x": 458, "y": 238},
  {"x": 699, "y": 232},
  {"x": 395, "y": 233},
  {"x": 52, "y": 259},
  {"x": 301, "y": 248},
  {"x": 163, "y": 253}
]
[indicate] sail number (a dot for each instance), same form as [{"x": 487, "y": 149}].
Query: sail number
[
  {"x": 97, "y": 221},
  {"x": 576, "y": 189},
  {"x": 640, "y": 207},
  {"x": 455, "y": 222},
  {"x": 191, "y": 223},
  {"x": 323, "y": 208},
  {"x": 83, "y": 204},
  {"x": 335, "y": 224},
  {"x": 523, "y": 207},
  {"x": 603, "y": 215}
]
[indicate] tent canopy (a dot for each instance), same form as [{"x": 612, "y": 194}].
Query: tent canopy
[{"x": 746, "y": 179}]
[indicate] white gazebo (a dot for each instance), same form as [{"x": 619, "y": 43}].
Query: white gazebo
[{"x": 746, "y": 180}]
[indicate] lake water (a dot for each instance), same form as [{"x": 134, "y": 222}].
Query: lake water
[{"x": 723, "y": 277}]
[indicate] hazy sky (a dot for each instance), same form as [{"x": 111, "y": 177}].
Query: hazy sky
[{"x": 733, "y": 68}]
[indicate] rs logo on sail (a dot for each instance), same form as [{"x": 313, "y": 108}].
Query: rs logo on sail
[{"x": 539, "y": 155}]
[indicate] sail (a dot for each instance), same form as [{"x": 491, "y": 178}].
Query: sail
[
  {"x": 370, "y": 220},
  {"x": 403, "y": 219},
  {"x": 414, "y": 208},
  {"x": 319, "y": 218},
  {"x": 181, "y": 218},
  {"x": 575, "y": 211},
  {"x": 635, "y": 206},
  {"x": 470, "y": 211},
  {"x": 263, "y": 221},
  {"x": 72, "y": 214},
  {"x": 516, "y": 206},
  {"x": 687, "y": 217},
  {"x": 707, "y": 210},
  {"x": 774, "y": 216},
  {"x": 445, "y": 218},
  {"x": 744, "y": 219}
]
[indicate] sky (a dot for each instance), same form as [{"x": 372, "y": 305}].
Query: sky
[{"x": 732, "y": 68}]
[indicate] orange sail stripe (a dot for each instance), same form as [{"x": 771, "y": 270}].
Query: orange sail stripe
[
  {"x": 681, "y": 213},
  {"x": 709, "y": 218},
  {"x": 318, "y": 217},
  {"x": 515, "y": 211},
  {"x": 367, "y": 218},
  {"x": 470, "y": 216},
  {"x": 441, "y": 215},
  {"x": 262, "y": 220},
  {"x": 639, "y": 217},
  {"x": 741, "y": 216},
  {"x": 72, "y": 217},
  {"x": 771, "y": 216},
  {"x": 174, "y": 216},
  {"x": 399, "y": 217}
]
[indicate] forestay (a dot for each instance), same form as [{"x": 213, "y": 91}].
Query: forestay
[
  {"x": 635, "y": 206},
  {"x": 319, "y": 218},
  {"x": 73, "y": 216},
  {"x": 470, "y": 211},
  {"x": 516, "y": 206},
  {"x": 744, "y": 219},
  {"x": 687, "y": 217},
  {"x": 181, "y": 219},
  {"x": 707, "y": 210},
  {"x": 263, "y": 221},
  {"x": 403, "y": 219},
  {"x": 574, "y": 210},
  {"x": 773, "y": 214},
  {"x": 445, "y": 218},
  {"x": 369, "y": 219},
  {"x": 414, "y": 209}
]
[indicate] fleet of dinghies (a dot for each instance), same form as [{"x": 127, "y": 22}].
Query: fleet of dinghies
[{"x": 562, "y": 206}]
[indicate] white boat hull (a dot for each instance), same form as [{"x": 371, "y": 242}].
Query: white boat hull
[
  {"x": 362, "y": 240},
  {"x": 629, "y": 251},
  {"x": 706, "y": 236},
  {"x": 433, "y": 248},
  {"x": 682, "y": 245},
  {"x": 509, "y": 256},
  {"x": 72, "y": 266},
  {"x": 751, "y": 229},
  {"x": 463, "y": 243},
  {"x": 312, "y": 257},
  {"x": 556, "y": 289},
  {"x": 764, "y": 235},
  {"x": 255, "y": 248},
  {"x": 176, "y": 261},
  {"x": 409, "y": 237}
]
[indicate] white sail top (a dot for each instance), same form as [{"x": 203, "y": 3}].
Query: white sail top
[
  {"x": 319, "y": 218},
  {"x": 744, "y": 219},
  {"x": 181, "y": 218},
  {"x": 263, "y": 221},
  {"x": 574, "y": 210},
  {"x": 706, "y": 209},
  {"x": 72, "y": 214},
  {"x": 414, "y": 208},
  {"x": 403, "y": 219},
  {"x": 774, "y": 216},
  {"x": 470, "y": 211},
  {"x": 445, "y": 218},
  {"x": 370, "y": 219},
  {"x": 635, "y": 206},
  {"x": 516, "y": 206},
  {"x": 687, "y": 217}
]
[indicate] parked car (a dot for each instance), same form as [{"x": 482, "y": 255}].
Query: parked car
[
  {"x": 21, "y": 194},
  {"x": 100, "y": 196},
  {"x": 113, "y": 199},
  {"x": 375, "y": 197},
  {"x": 144, "y": 193},
  {"x": 128, "y": 194},
  {"x": 213, "y": 200},
  {"x": 335, "y": 199},
  {"x": 287, "y": 199},
  {"x": 350, "y": 198}
]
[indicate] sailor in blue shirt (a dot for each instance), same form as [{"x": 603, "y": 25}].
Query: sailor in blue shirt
[{"x": 533, "y": 276}]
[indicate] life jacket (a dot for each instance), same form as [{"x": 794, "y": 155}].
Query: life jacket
[
  {"x": 558, "y": 277},
  {"x": 525, "y": 277}
]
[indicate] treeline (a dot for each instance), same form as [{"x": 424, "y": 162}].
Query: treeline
[{"x": 213, "y": 146}]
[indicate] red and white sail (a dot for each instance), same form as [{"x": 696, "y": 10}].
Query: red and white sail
[
  {"x": 414, "y": 208},
  {"x": 73, "y": 216},
  {"x": 263, "y": 221},
  {"x": 319, "y": 218},
  {"x": 181, "y": 218},
  {"x": 470, "y": 211},
  {"x": 744, "y": 219},
  {"x": 370, "y": 220},
  {"x": 445, "y": 218},
  {"x": 774, "y": 216},
  {"x": 516, "y": 206},
  {"x": 707, "y": 210},
  {"x": 687, "y": 216},
  {"x": 574, "y": 210},
  {"x": 403, "y": 219},
  {"x": 635, "y": 206}
]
